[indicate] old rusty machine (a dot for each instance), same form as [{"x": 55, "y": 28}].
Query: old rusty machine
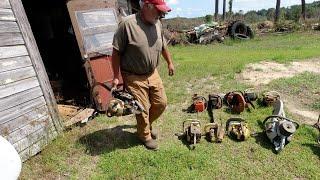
[{"x": 279, "y": 129}]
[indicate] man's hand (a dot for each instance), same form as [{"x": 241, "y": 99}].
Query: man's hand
[
  {"x": 171, "y": 69},
  {"x": 115, "y": 83}
]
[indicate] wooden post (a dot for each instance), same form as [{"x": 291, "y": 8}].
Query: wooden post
[
  {"x": 277, "y": 13},
  {"x": 37, "y": 63}
]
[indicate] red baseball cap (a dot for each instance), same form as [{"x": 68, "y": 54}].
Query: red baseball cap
[{"x": 160, "y": 5}]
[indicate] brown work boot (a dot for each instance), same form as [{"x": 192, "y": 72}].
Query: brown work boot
[
  {"x": 154, "y": 134},
  {"x": 151, "y": 144}
]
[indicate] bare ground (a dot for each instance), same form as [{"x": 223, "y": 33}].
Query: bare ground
[{"x": 262, "y": 73}]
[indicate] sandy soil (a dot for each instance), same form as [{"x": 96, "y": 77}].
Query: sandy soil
[{"x": 262, "y": 73}]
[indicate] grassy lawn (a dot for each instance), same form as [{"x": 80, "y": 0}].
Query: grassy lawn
[{"x": 106, "y": 148}]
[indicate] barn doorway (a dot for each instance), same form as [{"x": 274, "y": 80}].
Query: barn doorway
[{"x": 53, "y": 32}]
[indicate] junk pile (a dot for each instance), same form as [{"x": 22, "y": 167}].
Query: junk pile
[
  {"x": 209, "y": 33},
  {"x": 278, "y": 128},
  {"x": 315, "y": 27}
]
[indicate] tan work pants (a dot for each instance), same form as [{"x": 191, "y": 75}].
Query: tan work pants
[{"x": 149, "y": 91}]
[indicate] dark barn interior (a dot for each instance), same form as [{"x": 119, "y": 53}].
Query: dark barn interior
[{"x": 52, "y": 29}]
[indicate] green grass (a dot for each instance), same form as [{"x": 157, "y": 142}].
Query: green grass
[
  {"x": 108, "y": 149},
  {"x": 304, "y": 87}
]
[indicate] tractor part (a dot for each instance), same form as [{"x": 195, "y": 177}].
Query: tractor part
[
  {"x": 278, "y": 128},
  {"x": 199, "y": 104},
  {"x": 317, "y": 125},
  {"x": 268, "y": 98},
  {"x": 235, "y": 101},
  {"x": 237, "y": 128},
  {"x": 214, "y": 102},
  {"x": 122, "y": 104},
  {"x": 192, "y": 132}
]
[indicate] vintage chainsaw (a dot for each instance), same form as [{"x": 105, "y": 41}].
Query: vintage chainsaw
[
  {"x": 317, "y": 125},
  {"x": 238, "y": 128},
  {"x": 278, "y": 128},
  {"x": 123, "y": 103}
]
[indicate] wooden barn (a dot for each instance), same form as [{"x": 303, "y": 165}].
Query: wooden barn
[{"x": 44, "y": 55}]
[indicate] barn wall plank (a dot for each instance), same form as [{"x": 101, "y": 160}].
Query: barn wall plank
[
  {"x": 5, "y": 4},
  {"x": 13, "y": 51},
  {"x": 32, "y": 138},
  {"x": 14, "y": 63},
  {"x": 36, "y": 60},
  {"x": 8, "y": 26},
  {"x": 19, "y": 86},
  {"x": 19, "y": 98},
  {"x": 21, "y": 109},
  {"x": 16, "y": 75},
  {"x": 10, "y": 126},
  {"x": 24, "y": 131},
  {"x": 38, "y": 146},
  {"x": 11, "y": 38},
  {"x": 6, "y": 15}
]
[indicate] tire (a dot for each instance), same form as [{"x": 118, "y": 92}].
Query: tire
[
  {"x": 250, "y": 32},
  {"x": 238, "y": 28},
  {"x": 241, "y": 37}
]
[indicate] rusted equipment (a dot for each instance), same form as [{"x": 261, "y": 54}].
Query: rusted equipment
[
  {"x": 192, "y": 132},
  {"x": 278, "y": 128},
  {"x": 317, "y": 125},
  {"x": 237, "y": 128},
  {"x": 199, "y": 104},
  {"x": 214, "y": 132},
  {"x": 214, "y": 102},
  {"x": 237, "y": 101},
  {"x": 123, "y": 103},
  {"x": 270, "y": 97}
]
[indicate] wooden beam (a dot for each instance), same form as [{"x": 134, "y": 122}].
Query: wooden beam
[
  {"x": 19, "y": 86},
  {"x": 37, "y": 62},
  {"x": 8, "y": 77},
  {"x": 5, "y": 4},
  {"x": 19, "y": 98},
  {"x": 8, "y": 26},
  {"x": 14, "y": 63},
  {"x": 6, "y": 15},
  {"x": 11, "y": 39},
  {"x": 10, "y": 126},
  {"x": 13, "y": 51},
  {"x": 24, "y": 131},
  {"x": 21, "y": 110},
  {"x": 32, "y": 138}
]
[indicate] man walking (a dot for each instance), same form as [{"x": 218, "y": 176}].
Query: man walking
[{"x": 137, "y": 46}]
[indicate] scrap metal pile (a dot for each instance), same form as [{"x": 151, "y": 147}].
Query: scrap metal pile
[
  {"x": 208, "y": 33},
  {"x": 278, "y": 128}
]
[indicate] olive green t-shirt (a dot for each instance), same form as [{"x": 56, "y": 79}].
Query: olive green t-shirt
[{"x": 139, "y": 44}]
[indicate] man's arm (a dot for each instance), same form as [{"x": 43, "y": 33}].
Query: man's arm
[
  {"x": 115, "y": 67},
  {"x": 166, "y": 55}
]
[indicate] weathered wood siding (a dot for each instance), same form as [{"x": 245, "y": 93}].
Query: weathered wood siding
[{"x": 28, "y": 113}]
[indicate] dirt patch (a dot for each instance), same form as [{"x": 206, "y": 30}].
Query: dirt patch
[
  {"x": 262, "y": 73},
  {"x": 266, "y": 71}
]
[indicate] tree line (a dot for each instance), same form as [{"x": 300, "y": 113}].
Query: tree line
[{"x": 295, "y": 12}]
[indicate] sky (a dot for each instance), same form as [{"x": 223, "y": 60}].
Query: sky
[{"x": 197, "y": 8}]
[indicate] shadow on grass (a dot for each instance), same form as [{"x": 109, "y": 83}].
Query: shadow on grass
[
  {"x": 108, "y": 140},
  {"x": 314, "y": 147},
  {"x": 262, "y": 139}
]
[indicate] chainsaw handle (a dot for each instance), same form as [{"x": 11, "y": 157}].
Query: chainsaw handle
[
  {"x": 281, "y": 117},
  {"x": 190, "y": 120}
]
